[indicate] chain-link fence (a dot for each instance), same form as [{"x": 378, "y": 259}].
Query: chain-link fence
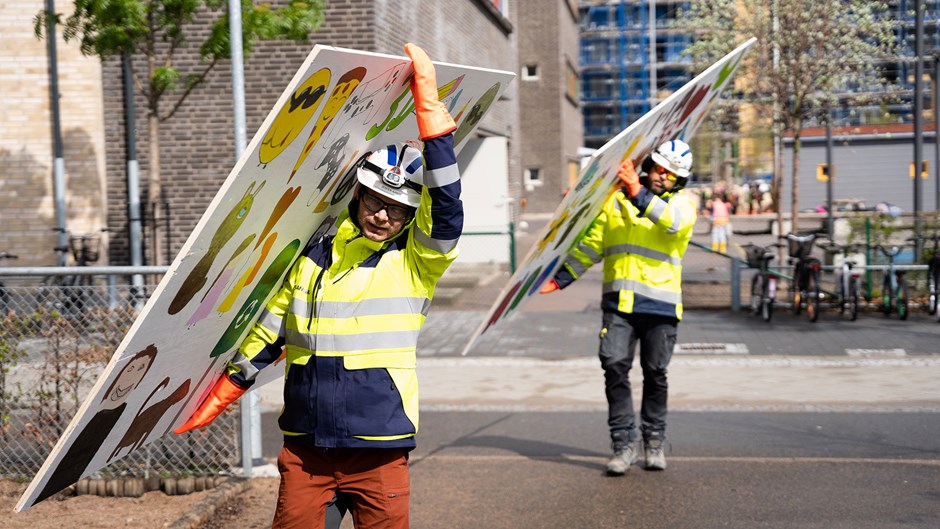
[{"x": 56, "y": 337}]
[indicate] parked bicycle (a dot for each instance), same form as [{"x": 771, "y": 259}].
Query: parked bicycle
[
  {"x": 933, "y": 273},
  {"x": 804, "y": 287},
  {"x": 894, "y": 285},
  {"x": 4, "y": 297},
  {"x": 68, "y": 294},
  {"x": 848, "y": 280},
  {"x": 764, "y": 282}
]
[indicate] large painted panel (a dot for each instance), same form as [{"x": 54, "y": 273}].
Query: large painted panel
[
  {"x": 675, "y": 118},
  {"x": 290, "y": 185}
]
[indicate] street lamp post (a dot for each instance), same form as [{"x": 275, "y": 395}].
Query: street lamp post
[
  {"x": 831, "y": 171},
  {"x": 918, "y": 109}
]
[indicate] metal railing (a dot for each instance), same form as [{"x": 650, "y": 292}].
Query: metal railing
[{"x": 55, "y": 341}]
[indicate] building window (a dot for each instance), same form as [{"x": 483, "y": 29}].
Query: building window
[
  {"x": 533, "y": 177},
  {"x": 530, "y": 72},
  {"x": 572, "y": 84}
]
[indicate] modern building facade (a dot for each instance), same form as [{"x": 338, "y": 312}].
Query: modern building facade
[{"x": 630, "y": 61}]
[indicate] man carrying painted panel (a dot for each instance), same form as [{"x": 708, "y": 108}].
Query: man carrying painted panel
[
  {"x": 641, "y": 234},
  {"x": 348, "y": 315}
]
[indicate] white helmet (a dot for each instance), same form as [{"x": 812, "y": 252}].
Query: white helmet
[
  {"x": 676, "y": 157},
  {"x": 395, "y": 172}
]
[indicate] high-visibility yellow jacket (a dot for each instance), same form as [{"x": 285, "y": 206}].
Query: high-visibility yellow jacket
[
  {"x": 348, "y": 315},
  {"x": 642, "y": 241}
]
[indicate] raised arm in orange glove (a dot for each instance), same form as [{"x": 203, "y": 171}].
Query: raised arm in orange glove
[
  {"x": 629, "y": 178},
  {"x": 223, "y": 393},
  {"x": 433, "y": 118}
]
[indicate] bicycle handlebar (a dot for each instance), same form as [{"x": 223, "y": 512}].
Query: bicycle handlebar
[{"x": 895, "y": 250}]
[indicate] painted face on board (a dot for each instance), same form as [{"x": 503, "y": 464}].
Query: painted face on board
[{"x": 129, "y": 378}]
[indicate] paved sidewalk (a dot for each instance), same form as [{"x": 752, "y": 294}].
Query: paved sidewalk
[{"x": 785, "y": 383}]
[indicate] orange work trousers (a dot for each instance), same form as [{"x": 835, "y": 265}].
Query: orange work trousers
[{"x": 373, "y": 481}]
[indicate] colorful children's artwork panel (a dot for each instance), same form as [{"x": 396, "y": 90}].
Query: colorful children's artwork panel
[
  {"x": 291, "y": 184},
  {"x": 677, "y": 117}
]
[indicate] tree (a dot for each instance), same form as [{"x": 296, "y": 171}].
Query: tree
[
  {"x": 156, "y": 30},
  {"x": 809, "y": 56}
]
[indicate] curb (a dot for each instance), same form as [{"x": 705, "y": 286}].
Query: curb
[{"x": 200, "y": 513}]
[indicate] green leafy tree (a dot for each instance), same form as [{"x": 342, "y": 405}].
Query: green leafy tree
[
  {"x": 156, "y": 31},
  {"x": 809, "y": 56}
]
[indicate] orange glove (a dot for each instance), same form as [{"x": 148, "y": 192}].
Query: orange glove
[
  {"x": 629, "y": 178},
  {"x": 551, "y": 286},
  {"x": 433, "y": 118},
  {"x": 223, "y": 393}
]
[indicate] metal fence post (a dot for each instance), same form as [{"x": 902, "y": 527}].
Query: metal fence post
[
  {"x": 735, "y": 284},
  {"x": 512, "y": 247}
]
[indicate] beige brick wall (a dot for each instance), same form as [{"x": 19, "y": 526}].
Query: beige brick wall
[{"x": 27, "y": 214}]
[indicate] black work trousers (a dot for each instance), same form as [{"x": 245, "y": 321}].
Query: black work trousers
[{"x": 657, "y": 338}]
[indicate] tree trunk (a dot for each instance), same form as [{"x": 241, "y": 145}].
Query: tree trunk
[
  {"x": 795, "y": 191},
  {"x": 154, "y": 189}
]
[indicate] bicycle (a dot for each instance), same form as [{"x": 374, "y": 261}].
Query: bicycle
[
  {"x": 933, "y": 274},
  {"x": 4, "y": 297},
  {"x": 894, "y": 285},
  {"x": 805, "y": 282},
  {"x": 764, "y": 282},
  {"x": 68, "y": 294},
  {"x": 848, "y": 281}
]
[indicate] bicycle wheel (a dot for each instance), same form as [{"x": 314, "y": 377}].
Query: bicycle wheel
[
  {"x": 766, "y": 304},
  {"x": 932, "y": 289},
  {"x": 902, "y": 301},
  {"x": 852, "y": 300},
  {"x": 756, "y": 293},
  {"x": 812, "y": 295},
  {"x": 796, "y": 297},
  {"x": 886, "y": 297}
]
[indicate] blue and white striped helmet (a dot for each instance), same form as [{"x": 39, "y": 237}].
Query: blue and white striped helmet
[
  {"x": 396, "y": 172},
  {"x": 676, "y": 157}
]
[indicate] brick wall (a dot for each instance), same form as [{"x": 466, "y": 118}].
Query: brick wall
[{"x": 27, "y": 214}]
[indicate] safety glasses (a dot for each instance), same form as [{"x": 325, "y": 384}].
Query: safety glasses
[
  {"x": 375, "y": 205},
  {"x": 666, "y": 172}
]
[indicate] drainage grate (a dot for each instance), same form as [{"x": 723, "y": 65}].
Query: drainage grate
[
  {"x": 876, "y": 352},
  {"x": 711, "y": 348}
]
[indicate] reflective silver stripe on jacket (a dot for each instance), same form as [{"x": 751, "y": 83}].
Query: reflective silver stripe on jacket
[
  {"x": 244, "y": 366},
  {"x": 577, "y": 267},
  {"x": 645, "y": 252},
  {"x": 326, "y": 343},
  {"x": 272, "y": 321},
  {"x": 635, "y": 286},
  {"x": 656, "y": 213},
  {"x": 366, "y": 307},
  {"x": 442, "y": 177},
  {"x": 437, "y": 245}
]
